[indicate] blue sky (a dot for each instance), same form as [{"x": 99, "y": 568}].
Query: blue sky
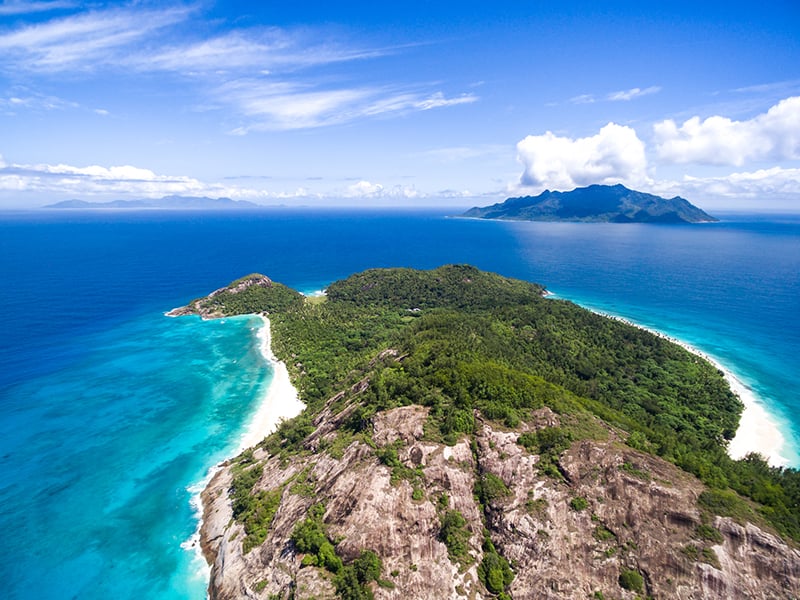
[{"x": 412, "y": 103}]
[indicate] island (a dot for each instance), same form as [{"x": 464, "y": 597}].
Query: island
[
  {"x": 595, "y": 204},
  {"x": 467, "y": 437},
  {"x": 165, "y": 203}
]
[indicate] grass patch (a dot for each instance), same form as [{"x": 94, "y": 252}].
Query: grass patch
[{"x": 631, "y": 469}]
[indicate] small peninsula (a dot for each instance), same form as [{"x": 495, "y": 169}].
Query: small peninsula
[
  {"x": 595, "y": 204},
  {"x": 466, "y": 437}
]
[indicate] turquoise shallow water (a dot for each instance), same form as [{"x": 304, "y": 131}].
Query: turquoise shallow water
[
  {"x": 102, "y": 454},
  {"x": 110, "y": 411}
]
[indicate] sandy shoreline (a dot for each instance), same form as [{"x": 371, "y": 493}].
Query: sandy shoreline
[
  {"x": 278, "y": 403},
  {"x": 281, "y": 400},
  {"x": 758, "y": 431}
]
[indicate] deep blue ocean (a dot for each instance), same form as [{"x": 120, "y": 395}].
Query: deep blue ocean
[{"x": 111, "y": 413}]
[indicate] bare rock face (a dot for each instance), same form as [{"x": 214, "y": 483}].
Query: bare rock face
[{"x": 619, "y": 524}]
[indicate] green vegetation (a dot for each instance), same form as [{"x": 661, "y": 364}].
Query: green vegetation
[
  {"x": 310, "y": 536},
  {"x": 632, "y": 580},
  {"x": 463, "y": 342},
  {"x": 251, "y": 294},
  {"x": 254, "y": 511},
  {"x": 494, "y": 571},
  {"x": 579, "y": 503},
  {"x": 455, "y": 535},
  {"x": 490, "y": 488},
  {"x": 631, "y": 469},
  {"x": 548, "y": 443}
]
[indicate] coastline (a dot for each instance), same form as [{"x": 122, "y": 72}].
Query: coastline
[
  {"x": 758, "y": 431},
  {"x": 280, "y": 402}
]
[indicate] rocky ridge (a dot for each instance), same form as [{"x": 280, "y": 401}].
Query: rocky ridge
[{"x": 639, "y": 514}]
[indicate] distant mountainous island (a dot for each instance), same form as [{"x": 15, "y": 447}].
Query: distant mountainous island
[
  {"x": 595, "y": 204},
  {"x": 170, "y": 202}
]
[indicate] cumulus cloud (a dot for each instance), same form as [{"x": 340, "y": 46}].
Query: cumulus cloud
[
  {"x": 775, "y": 183},
  {"x": 362, "y": 189},
  {"x": 774, "y": 135},
  {"x": 368, "y": 189},
  {"x": 614, "y": 155}
]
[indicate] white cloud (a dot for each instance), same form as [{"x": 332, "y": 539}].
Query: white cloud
[
  {"x": 82, "y": 41},
  {"x": 255, "y": 71},
  {"x": 772, "y": 184},
  {"x": 95, "y": 180},
  {"x": 614, "y": 155},
  {"x": 632, "y": 93},
  {"x": 774, "y": 135},
  {"x": 583, "y": 99},
  {"x": 39, "y": 102},
  {"x": 363, "y": 189},
  {"x": 283, "y": 106},
  {"x": 257, "y": 50},
  {"x": 456, "y": 154},
  {"x": 19, "y": 7},
  {"x": 622, "y": 95}
]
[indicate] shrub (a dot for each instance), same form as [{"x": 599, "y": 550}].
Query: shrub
[
  {"x": 632, "y": 580},
  {"x": 495, "y": 572},
  {"x": 455, "y": 535},
  {"x": 489, "y": 488},
  {"x": 579, "y": 503}
]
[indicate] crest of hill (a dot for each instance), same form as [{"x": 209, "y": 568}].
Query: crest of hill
[
  {"x": 450, "y": 286},
  {"x": 595, "y": 204},
  {"x": 254, "y": 293}
]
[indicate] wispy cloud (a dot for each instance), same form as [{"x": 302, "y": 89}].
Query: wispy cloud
[
  {"x": 84, "y": 41},
  {"x": 24, "y": 100},
  {"x": 283, "y": 106},
  {"x": 455, "y": 154},
  {"x": 618, "y": 96},
  {"x": 272, "y": 78},
  {"x": 583, "y": 99},
  {"x": 259, "y": 51},
  {"x": 20, "y": 7},
  {"x": 625, "y": 95}
]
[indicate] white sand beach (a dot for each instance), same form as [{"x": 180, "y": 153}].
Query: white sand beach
[
  {"x": 758, "y": 432},
  {"x": 281, "y": 400}
]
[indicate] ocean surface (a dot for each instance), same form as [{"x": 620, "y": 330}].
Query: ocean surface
[{"x": 111, "y": 413}]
